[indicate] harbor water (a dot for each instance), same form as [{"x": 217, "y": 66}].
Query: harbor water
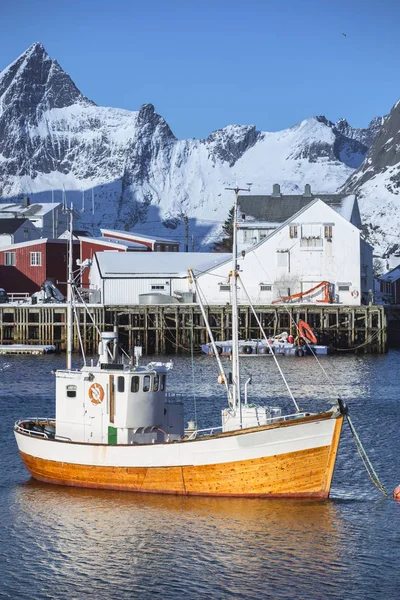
[{"x": 73, "y": 543}]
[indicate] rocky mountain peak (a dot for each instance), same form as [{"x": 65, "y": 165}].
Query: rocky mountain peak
[{"x": 34, "y": 83}]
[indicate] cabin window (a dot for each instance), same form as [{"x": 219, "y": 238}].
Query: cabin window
[
  {"x": 71, "y": 391},
  {"x": 162, "y": 383},
  {"x": 36, "y": 259},
  {"x": 158, "y": 287},
  {"x": 293, "y": 231},
  {"x": 343, "y": 287},
  {"x": 135, "y": 384},
  {"x": 265, "y": 287},
  {"x": 224, "y": 287},
  {"x": 156, "y": 381},
  {"x": 9, "y": 259},
  {"x": 121, "y": 383},
  {"x": 146, "y": 383}
]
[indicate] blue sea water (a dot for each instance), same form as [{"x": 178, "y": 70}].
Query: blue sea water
[{"x": 73, "y": 543}]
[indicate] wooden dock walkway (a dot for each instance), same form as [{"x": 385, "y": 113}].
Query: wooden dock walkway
[{"x": 169, "y": 329}]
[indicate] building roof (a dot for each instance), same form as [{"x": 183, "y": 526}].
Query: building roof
[
  {"x": 137, "y": 236},
  {"x": 277, "y": 209},
  {"x": 156, "y": 264},
  {"x": 114, "y": 242},
  {"x": 30, "y": 210},
  {"x": 392, "y": 275},
  {"x": 11, "y": 225}
]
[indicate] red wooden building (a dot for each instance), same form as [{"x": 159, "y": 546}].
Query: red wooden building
[
  {"x": 152, "y": 243},
  {"x": 25, "y": 266},
  {"x": 390, "y": 285}
]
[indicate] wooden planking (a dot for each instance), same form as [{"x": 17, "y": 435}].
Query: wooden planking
[{"x": 302, "y": 474}]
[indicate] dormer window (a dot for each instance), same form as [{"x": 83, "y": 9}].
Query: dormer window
[{"x": 293, "y": 231}]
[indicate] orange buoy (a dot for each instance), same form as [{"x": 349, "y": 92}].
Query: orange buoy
[{"x": 396, "y": 493}]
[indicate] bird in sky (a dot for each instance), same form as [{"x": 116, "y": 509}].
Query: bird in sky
[{"x": 345, "y": 34}]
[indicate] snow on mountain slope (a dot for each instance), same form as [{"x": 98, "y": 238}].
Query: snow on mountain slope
[
  {"x": 52, "y": 137},
  {"x": 377, "y": 185}
]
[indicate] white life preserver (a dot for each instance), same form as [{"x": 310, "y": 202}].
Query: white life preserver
[{"x": 355, "y": 293}]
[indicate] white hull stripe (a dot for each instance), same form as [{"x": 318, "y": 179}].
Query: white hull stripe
[{"x": 258, "y": 444}]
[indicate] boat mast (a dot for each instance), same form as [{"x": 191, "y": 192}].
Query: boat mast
[
  {"x": 69, "y": 292},
  {"x": 235, "y": 324}
]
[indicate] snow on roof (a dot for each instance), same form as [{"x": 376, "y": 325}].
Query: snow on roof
[
  {"x": 112, "y": 242},
  {"x": 139, "y": 236},
  {"x": 152, "y": 264},
  {"x": 30, "y": 210}
]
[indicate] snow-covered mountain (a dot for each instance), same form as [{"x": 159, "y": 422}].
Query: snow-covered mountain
[
  {"x": 377, "y": 184},
  {"x": 52, "y": 137}
]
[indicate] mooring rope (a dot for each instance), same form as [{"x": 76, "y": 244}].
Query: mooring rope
[{"x": 362, "y": 452}]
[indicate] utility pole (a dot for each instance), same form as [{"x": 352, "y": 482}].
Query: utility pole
[{"x": 186, "y": 220}]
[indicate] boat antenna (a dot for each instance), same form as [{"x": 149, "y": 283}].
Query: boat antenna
[
  {"x": 235, "y": 325},
  {"x": 69, "y": 289}
]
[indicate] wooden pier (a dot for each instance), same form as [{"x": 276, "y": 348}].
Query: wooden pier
[{"x": 177, "y": 328}]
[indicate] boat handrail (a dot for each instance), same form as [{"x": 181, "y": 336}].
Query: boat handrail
[
  {"x": 37, "y": 420},
  {"x": 209, "y": 430}
]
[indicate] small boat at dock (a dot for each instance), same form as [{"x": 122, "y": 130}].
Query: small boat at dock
[{"x": 33, "y": 349}]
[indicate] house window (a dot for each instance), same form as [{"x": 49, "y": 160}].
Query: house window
[
  {"x": 265, "y": 287},
  {"x": 328, "y": 232},
  {"x": 293, "y": 231},
  {"x": 282, "y": 258},
  {"x": 158, "y": 287},
  {"x": 26, "y": 234},
  {"x": 9, "y": 259},
  {"x": 36, "y": 259}
]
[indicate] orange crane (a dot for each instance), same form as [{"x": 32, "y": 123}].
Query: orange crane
[{"x": 325, "y": 288}]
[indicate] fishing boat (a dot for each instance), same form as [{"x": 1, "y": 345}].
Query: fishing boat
[{"x": 116, "y": 427}]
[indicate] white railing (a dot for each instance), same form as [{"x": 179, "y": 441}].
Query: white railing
[{"x": 19, "y": 296}]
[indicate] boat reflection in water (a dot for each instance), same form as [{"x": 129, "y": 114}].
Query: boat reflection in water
[{"x": 137, "y": 542}]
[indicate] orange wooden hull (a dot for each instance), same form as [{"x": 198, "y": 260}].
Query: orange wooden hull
[{"x": 306, "y": 473}]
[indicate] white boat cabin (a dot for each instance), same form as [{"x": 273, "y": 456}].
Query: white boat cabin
[{"x": 113, "y": 403}]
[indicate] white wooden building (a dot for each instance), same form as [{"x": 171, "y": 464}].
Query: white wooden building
[
  {"x": 316, "y": 244},
  {"x": 121, "y": 278}
]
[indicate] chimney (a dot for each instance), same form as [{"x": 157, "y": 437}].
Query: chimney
[
  {"x": 276, "y": 191},
  {"x": 307, "y": 190}
]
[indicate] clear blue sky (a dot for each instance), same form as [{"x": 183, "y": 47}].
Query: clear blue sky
[{"x": 205, "y": 64}]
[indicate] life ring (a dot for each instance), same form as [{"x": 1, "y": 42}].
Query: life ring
[
  {"x": 355, "y": 293},
  {"x": 247, "y": 350},
  {"x": 96, "y": 393},
  {"x": 306, "y": 332}
]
